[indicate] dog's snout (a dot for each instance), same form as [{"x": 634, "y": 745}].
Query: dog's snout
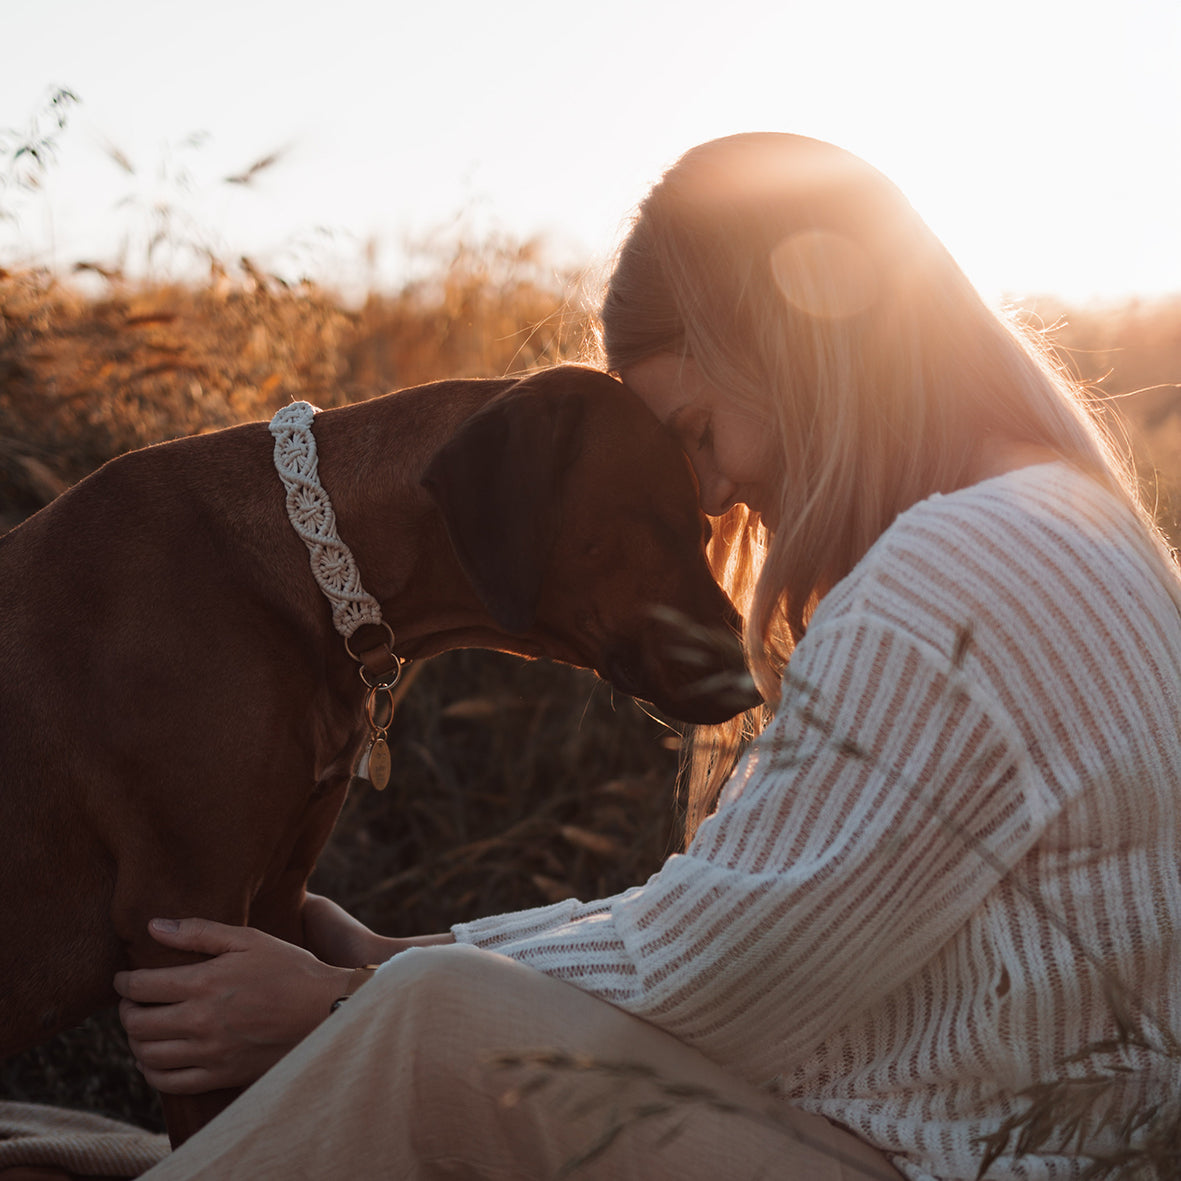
[{"x": 693, "y": 672}]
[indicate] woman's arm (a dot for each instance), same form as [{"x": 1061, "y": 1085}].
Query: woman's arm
[
  {"x": 334, "y": 936},
  {"x": 875, "y": 813}
]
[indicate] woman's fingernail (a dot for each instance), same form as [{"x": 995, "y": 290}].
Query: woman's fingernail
[{"x": 165, "y": 924}]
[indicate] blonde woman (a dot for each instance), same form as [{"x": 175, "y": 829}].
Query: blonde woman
[{"x": 945, "y": 870}]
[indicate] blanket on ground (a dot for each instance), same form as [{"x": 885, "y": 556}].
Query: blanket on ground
[{"x": 76, "y": 1143}]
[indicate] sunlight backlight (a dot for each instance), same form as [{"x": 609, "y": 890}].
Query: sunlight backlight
[{"x": 1040, "y": 142}]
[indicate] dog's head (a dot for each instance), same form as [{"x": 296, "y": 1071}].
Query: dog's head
[{"x": 575, "y": 517}]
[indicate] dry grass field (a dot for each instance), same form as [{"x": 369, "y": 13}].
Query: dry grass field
[{"x": 515, "y": 783}]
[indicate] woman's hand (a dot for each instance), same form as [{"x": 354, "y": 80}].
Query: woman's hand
[{"x": 225, "y": 1021}]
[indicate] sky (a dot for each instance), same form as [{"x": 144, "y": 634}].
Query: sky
[{"x": 1041, "y": 139}]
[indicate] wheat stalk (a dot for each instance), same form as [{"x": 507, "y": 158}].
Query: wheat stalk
[{"x": 635, "y": 1095}]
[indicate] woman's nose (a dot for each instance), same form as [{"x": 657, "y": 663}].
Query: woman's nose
[{"x": 718, "y": 495}]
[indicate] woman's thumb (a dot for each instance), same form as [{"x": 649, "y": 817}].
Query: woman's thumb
[{"x": 202, "y": 935}]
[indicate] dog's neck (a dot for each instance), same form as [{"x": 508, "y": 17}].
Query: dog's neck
[
  {"x": 309, "y": 509},
  {"x": 389, "y": 522}
]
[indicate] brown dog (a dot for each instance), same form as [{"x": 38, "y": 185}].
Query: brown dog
[{"x": 178, "y": 718}]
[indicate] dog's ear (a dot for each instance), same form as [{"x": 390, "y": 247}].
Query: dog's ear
[{"x": 497, "y": 482}]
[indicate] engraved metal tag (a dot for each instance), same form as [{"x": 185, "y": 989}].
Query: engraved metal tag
[{"x": 379, "y": 764}]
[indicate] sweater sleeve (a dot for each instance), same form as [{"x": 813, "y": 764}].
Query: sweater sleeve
[{"x": 884, "y": 802}]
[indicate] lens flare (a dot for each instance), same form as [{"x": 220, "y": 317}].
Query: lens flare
[{"x": 825, "y": 274}]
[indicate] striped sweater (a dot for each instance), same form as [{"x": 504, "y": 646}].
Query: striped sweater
[{"x": 961, "y": 825}]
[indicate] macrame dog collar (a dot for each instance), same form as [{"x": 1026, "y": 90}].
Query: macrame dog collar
[{"x": 356, "y": 614}]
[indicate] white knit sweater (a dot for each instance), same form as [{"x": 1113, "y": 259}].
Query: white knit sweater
[{"x": 973, "y": 783}]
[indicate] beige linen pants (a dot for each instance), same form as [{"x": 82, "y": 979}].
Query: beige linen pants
[{"x": 456, "y": 1063}]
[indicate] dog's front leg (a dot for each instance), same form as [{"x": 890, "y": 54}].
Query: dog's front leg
[{"x": 145, "y": 893}]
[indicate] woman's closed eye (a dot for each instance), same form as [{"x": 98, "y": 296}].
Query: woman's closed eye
[{"x": 693, "y": 428}]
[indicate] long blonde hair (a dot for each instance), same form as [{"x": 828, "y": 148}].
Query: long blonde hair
[{"x": 801, "y": 282}]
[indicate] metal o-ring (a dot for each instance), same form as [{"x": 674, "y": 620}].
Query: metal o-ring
[
  {"x": 371, "y": 706},
  {"x": 389, "y": 631}
]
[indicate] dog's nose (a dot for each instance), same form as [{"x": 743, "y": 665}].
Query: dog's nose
[{"x": 691, "y": 672}]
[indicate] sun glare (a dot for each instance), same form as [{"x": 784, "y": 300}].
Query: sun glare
[{"x": 825, "y": 274}]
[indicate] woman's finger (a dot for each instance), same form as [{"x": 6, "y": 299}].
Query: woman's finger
[
  {"x": 153, "y": 1023},
  {"x": 172, "y": 1055},
  {"x": 159, "y": 986},
  {"x": 203, "y": 935},
  {"x": 190, "y": 1081}
]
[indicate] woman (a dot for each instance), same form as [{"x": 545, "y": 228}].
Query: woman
[{"x": 943, "y": 873}]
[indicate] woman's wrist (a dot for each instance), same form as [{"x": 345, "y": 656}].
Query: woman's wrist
[
  {"x": 346, "y": 982},
  {"x": 397, "y": 945},
  {"x": 353, "y": 981},
  {"x": 379, "y": 948}
]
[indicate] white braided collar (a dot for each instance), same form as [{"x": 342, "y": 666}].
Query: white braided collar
[{"x": 312, "y": 517}]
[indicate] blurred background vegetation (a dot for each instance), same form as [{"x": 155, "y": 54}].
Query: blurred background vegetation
[{"x": 515, "y": 783}]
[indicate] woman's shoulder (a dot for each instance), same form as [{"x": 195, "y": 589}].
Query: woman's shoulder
[
  {"x": 1016, "y": 554},
  {"x": 1045, "y": 520},
  {"x": 1053, "y": 495}
]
